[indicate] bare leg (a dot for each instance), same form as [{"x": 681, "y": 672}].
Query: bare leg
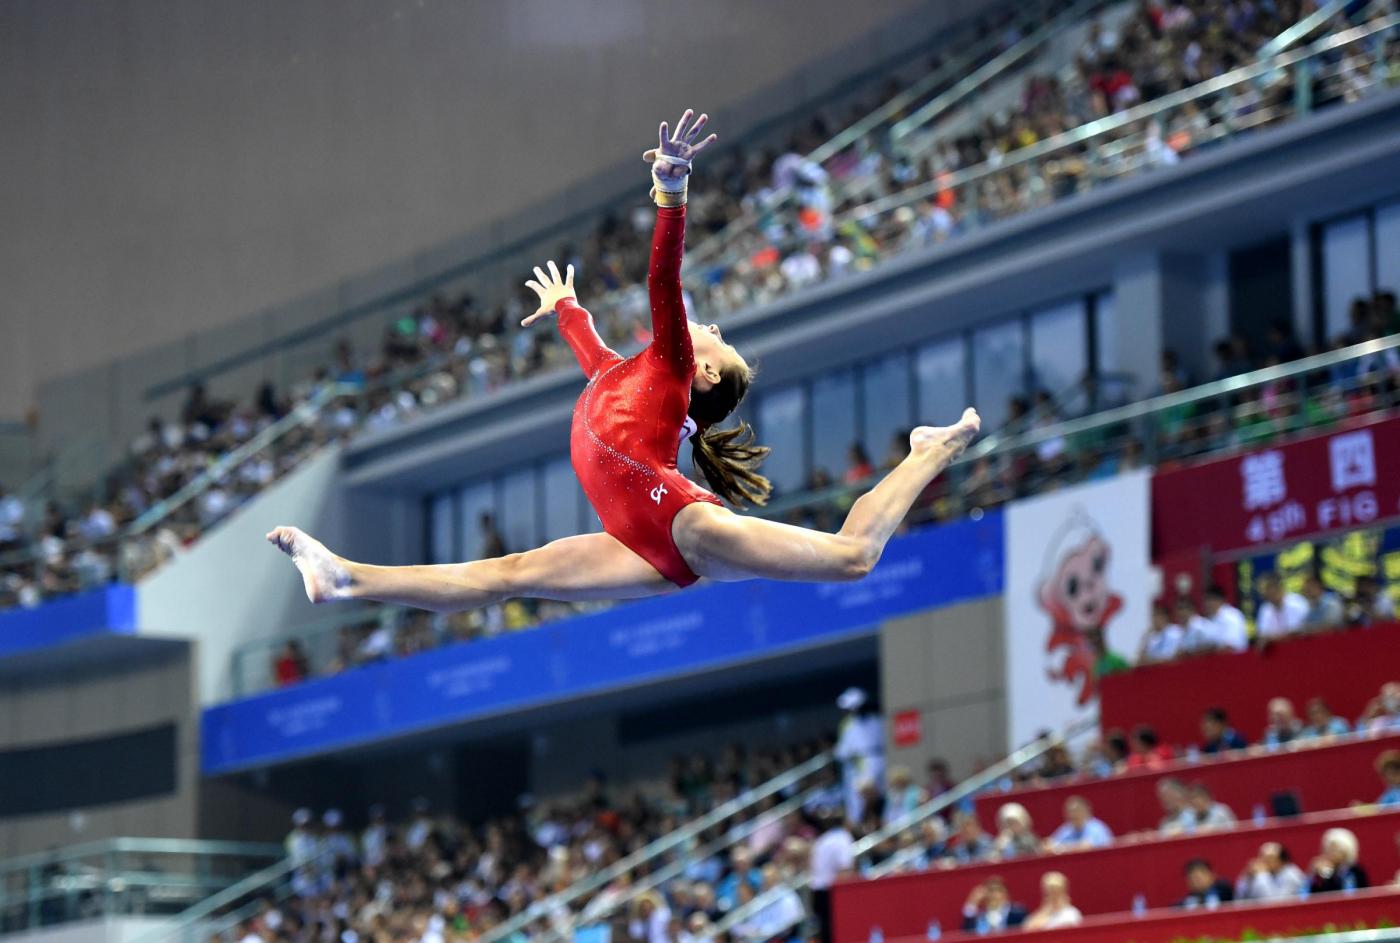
[
  {"x": 574, "y": 569},
  {"x": 724, "y": 546}
]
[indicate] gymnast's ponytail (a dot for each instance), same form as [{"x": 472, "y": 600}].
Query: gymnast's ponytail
[{"x": 728, "y": 458}]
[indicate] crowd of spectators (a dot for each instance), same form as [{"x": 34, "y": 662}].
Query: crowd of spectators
[{"x": 799, "y": 226}]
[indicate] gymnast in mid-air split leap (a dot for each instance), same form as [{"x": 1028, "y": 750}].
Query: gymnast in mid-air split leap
[{"x": 661, "y": 531}]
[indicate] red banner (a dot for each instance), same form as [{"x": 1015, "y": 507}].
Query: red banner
[
  {"x": 908, "y": 728},
  {"x": 1324, "y": 483}
]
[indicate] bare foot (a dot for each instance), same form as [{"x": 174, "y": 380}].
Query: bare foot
[
  {"x": 928, "y": 439},
  {"x": 322, "y": 572}
]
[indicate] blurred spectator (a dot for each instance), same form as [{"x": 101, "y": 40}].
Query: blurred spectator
[
  {"x": 1203, "y": 812},
  {"x": 291, "y": 665},
  {"x": 1324, "y": 606},
  {"x": 1203, "y": 887},
  {"x": 1322, "y": 722},
  {"x": 1271, "y": 875},
  {"x": 492, "y": 543},
  {"x": 904, "y": 796},
  {"x": 859, "y": 467},
  {"x": 1080, "y": 829},
  {"x": 1283, "y": 725},
  {"x": 1337, "y": 869},
  {"x": 939, "y": 779},
  {"x": 651, "y": 919},
  {"x": 783, "y": 911},
  {"x": 860, "y": 747},
  {"x": 374, "y": 840},
  {"x": 1388, "y": 766},
  {"x": 1147, "y": 752},
  {"x": 990, "y": 909},
  {"x": 832, "y": 858},
  {"x": 1176, "y": 811},
  {"x": 970, "y": 844},
  {"x": 1198, "y": 633},
  {"x": 1055, "y": 910},
  {"x": 1216, "y": 733},
  {"x": 1281, "y": 614},
  {"x": 1229, "y": 632},
  {"x": 1369, "y": 604},
  {"x": 1383, "y": 713},
  {"x": 1162, "y": 640},
  {"x": 1016, "y": 835}
]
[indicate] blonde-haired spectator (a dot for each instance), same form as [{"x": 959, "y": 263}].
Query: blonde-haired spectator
[
  {"x": 1016, "y": 835},
  {"x": 1337, "y": 868},
  {"x": 1055, "y": 910},
  {"x": 904, "y": 794}
]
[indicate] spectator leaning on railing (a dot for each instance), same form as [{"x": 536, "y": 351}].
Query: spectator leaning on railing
[{"x": 1271, "y": 875}]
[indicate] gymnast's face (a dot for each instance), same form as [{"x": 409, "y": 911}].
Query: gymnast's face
[{"x": 712, "y": 355}]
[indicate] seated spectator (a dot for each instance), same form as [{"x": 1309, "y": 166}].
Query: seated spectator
[
  {"x": 904, "y": 796},
  {"x": 970, "y": 843},
  {"x": 651, "y": 919},
  {"x": 990, "y": 909},
  {"x": 1281, "y": 614},
  {"x": 783, "y": 911},
  {"x": 1369, "y": 604},
  {"x": 1016, "y": 836},
  {"x": 1271, "y": 875},
  {"x": 1203, "y": 887},
  {"x": 1336, "y": 869},
  {"x": 1057, "y": 763},
  {"x": 1322, "y": 722},
  {"x": 1216, "y": 733},
  {"x": 1055, "y": 910},
  {"x": 1203, "y": 812},
  {"x": 1383, "y": 713},
  {"x": 1197, "y": 632},
  {"x": 1229, "y": 631},
  {"x": 1176, "y": 810},
  {"x": 1147, "y": 751},
  {"x": 1324, "y": 606},
  {"x": 1163, "y": 639},
  {"x": 1080, "y": 829},
  {"x": 860, "y": 467},
  {"x": 1388, "y": 765},
  {"x": 291, "y": 665},
  {"x": 1284, "y": 725},
  {"x": 741, "y": 871}
]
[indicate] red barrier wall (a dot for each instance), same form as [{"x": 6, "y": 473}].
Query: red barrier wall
[
  {"x": 1345, "y": 668},
  {"x": 1323, "y": 777},
  {"x": 1381, "y": 905},
  {"x": 1102, "y": 881}
]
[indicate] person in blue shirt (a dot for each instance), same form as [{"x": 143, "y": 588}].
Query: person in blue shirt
[
  {"x": 1322, "y": 722},
  {"x": 1080, "y": 829},
  {"x": 1216, "y": 733},
  {"x": 1388, "y": 765}
]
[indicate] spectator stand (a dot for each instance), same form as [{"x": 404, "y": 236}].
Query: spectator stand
[{"x": 960, "y": 795}]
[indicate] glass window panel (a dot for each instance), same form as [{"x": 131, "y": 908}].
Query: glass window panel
[
  {"x": 998, "y": 370},
  {"x": 442, "y": 534},
  {"x": 1346, "y": 272},
  {"x": 561, "y": 499},
  {"x": 782, "y": 426},
  {"x": 941, "y": 369},
  {"x": 519, "y": 511},
  {"x": 1388, "y": 248},
  {"x": 885, "y": 404},
  {"x": 833, "y": 422},
  {"x": 1115, "y": 384},
  {"x": 475, "y": 500},
  {"x": 1059, "y": 347}
]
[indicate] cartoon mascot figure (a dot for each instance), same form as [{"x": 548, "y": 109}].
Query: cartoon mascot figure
[{"x": 1074, "y": 593}]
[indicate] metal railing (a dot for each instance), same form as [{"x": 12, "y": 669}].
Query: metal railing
[
  {"x": 658, "y": 849},
  {"x": 122, "y": 876},
  {"x": 990, "y": 778}
]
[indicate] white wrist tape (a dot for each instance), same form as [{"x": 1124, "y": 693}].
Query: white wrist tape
[{"x": 669, "y": 184}]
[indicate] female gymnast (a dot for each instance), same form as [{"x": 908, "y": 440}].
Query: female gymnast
[{"x": 661, "y": 531}]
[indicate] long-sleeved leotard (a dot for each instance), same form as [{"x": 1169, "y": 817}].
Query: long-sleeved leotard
[{"x": 632, "y": 416}]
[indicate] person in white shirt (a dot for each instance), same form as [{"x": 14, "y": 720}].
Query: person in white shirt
[
  {"x": 1163, "y": 639},
  {"x": 1230, "y": 632},
  {"x": 1203, "y": 812},
  {"x": 1280, "y": 614},
  {"x": 861, "y": 749},
  {"x": 374, "y": 841},
  {"x": 651, "y": 919},
  {"x": 1055, "y": 910},
  {"x": 832, "y": 857},
  {"x": 1271, "y": 876},
  {"x": 783, "y": 911},
  {"x": 1197, "y": 632}
]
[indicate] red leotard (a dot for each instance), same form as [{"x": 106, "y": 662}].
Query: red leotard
[{"x": 629, "y": 422}]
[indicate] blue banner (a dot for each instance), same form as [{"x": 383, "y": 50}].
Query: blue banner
[
  {"x": 645, "y": 641},
  {"x": 109, "y": 610}
]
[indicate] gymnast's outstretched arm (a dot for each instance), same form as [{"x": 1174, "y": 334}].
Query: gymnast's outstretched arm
[{"x": 557, "y": 296}]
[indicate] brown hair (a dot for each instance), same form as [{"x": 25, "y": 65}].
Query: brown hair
[{"x": 728, "y": 458}]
